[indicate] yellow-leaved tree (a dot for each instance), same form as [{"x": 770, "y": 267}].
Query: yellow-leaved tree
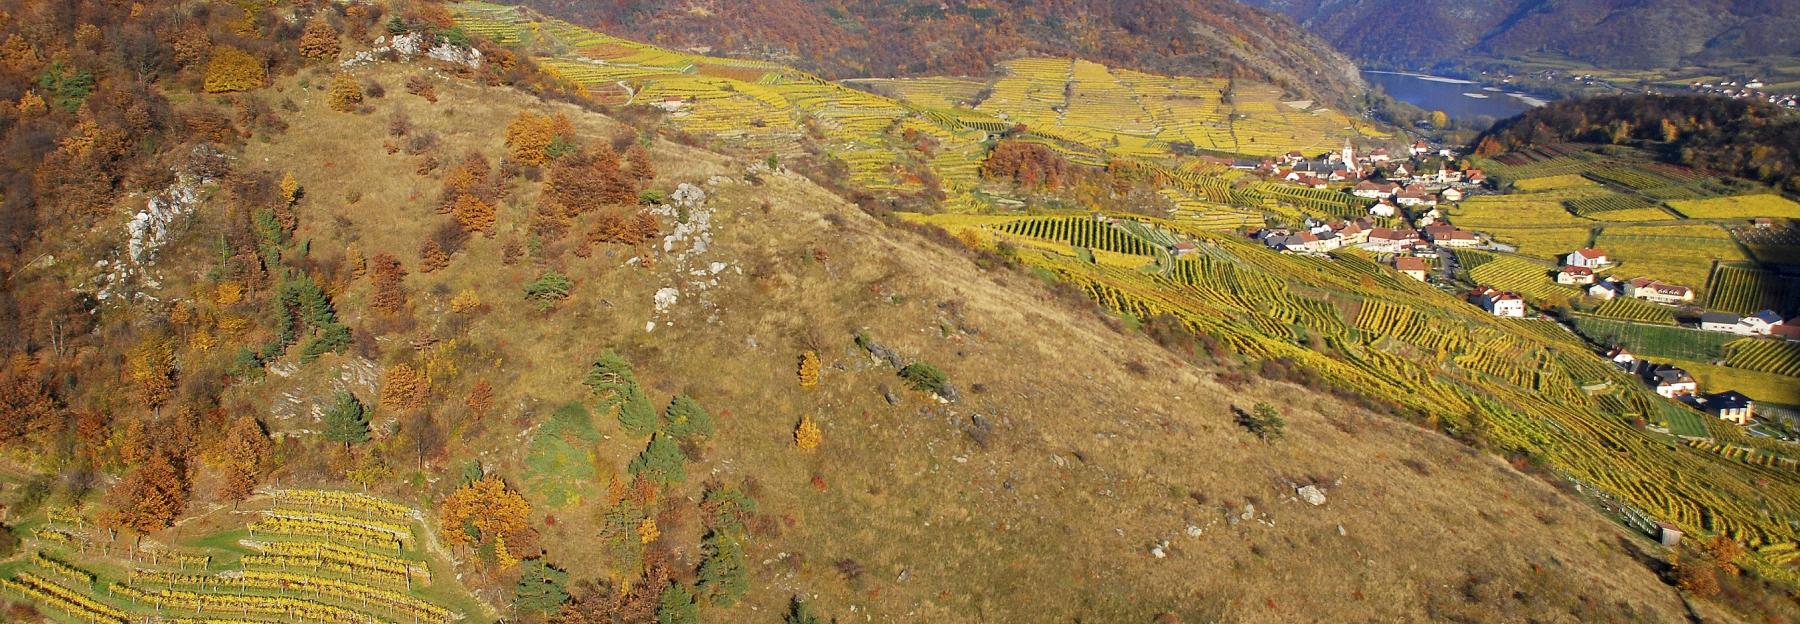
[
  {"x": 231, "y": 69},
  {"x": 483, "y": 511},
  {"x": 809, "y": 369},
  {"x": 345, "y": 93},
  {"x": 808, "y": 436}
]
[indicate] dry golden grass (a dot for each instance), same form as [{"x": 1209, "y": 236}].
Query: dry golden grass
[{"x": 1053, "y": 520}]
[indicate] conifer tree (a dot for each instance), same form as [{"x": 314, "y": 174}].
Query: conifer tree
[
  {"x": 346, "y": 420},
  {"x": 660, "y": 461}
]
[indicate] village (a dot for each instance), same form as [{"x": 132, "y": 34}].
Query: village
[{"x": 1407, "y": 228}]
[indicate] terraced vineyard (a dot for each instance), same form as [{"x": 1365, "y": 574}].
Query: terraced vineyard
[
  {"x": 1630, "y": 309},
  {"x": 1738, "y": 207},
  {"x": 1683, "y": 254},
  {"x": 1777, "y": 357},
  {"x": 1421, "y": 348},
  {"x": 1745, "y": 290},
  {"x": 1507, "y": 272},
  {"x": 313, "y": 556}
]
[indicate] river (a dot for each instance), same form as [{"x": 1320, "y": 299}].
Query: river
[{"x": 1460, "y": 99}]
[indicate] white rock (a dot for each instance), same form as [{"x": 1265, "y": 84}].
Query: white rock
[
  {"x": 1312, "y": 495},
  {"x": 1193, "y": 531},
  {"x": 649, "y": 326}
]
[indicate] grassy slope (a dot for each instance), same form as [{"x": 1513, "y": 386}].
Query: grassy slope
[{"x": 1089, "y": 464}]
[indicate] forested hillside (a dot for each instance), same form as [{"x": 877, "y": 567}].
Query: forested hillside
[
  {"x": 1748, "y": 139},
  {"x": 904, "y": 38},
  {"x": 1609, "y": 33}
]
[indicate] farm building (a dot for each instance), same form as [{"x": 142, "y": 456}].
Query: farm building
[
  {"x": 1451, "y": 195},
  {"x": 1762, "y": 323},
  {"x": 1383, "y": 209},
  {"x": 1723, "y": 322},
  {"x": 1590, "y": 258},
  {"x": 1669, "y": 381},
  {"x": 1575, "y": 276}
]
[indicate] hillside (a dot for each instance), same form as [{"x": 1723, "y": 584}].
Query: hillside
[
  {"x": 1749, "y": 139},
  {"x": 891, "y": 38},
  {"x": 1608, "y": 33}
]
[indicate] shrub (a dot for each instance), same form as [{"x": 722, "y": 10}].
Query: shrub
[
  {"x": 924, "y": 377},
  {"x": 549, "y": 288},
  {"x": 345, "y": 94},
  {"x": 1264, "y": 421},
  {"x": 231, "y": 69}
]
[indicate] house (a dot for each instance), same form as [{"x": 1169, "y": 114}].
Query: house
[
  {"x": 1369, "y": 189},
  {"x": 1384, "y": 209},
  {"x": 1603, "y": 290},
  {"x": 1575, "y": 276},
  {"x": 1658, "y": 292},
  {"x": 1451, "y": 195},
  {"x": 1500, "y": 303},
  {"x": 1763, "y": 223},
  {"x": 1474, "y": 176},
  {"x": 1730, "y": 406},
  {"x": 1590, "y": 258},
  {"x": 1414, "y": 195},
  {"x": 1411, "y": 267},
  {"x": 1390, "y": 240},
  {"x": 1294, "y": 157},
  {"x": 1183, "y": 248},
  {"x": 1446, "y": 235},
  {"x": 1379, "y": 155},
  {"x": 1669, "y": 381},
  {"x": 1762, "y": 323},
  {"x": 1624, "y": 359},
  {"x": 1420, "y": 147},
  {"x": 1722, "y": 322},
  {"x": 1353, "y": 232}
]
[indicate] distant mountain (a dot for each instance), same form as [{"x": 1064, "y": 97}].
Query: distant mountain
[
  {"x": 1611, "y": 33},
  {"x": 957, "y": 37}
]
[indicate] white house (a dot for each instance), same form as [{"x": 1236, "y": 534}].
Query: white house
[
  {"x": 1390, "y": 240},
  {"x": 1590, "y": 258},
  {"x": 1451, "y": 195},
  {"x": 1762, "y": 323},
  {"x": 1575, "y": 276},
  {"x": 1383, "y": 209},
  {"x": 1499, "y": 303},
  {"x": 1420, "y": 147},
  {"x": 1603, "y": 290},
  {"x": 1658, "y": 292},
  {"x": 1669, "y": 381}
]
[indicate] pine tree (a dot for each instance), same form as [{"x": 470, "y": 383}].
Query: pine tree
[
  {"x": 724, "y": 574},
  {"x": 346, "y": 420},
  {"x": 660, "y": 461},
  {"x": 676, "y": 606},
  {"x": 684, "y": 418},
  {"x": 636, "y": 415},
  {"x": 345, "y": 94},
  {"x": 799, "y": 613},
  {"x": 541, "y": 586}
]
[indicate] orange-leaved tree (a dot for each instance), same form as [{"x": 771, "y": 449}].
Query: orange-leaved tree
[
  {"x": 345, "y": 94},
  {"x": 319, "y": 40},
  {"x": 246, "y": 456},
  {"x": 483, "y": 511}
]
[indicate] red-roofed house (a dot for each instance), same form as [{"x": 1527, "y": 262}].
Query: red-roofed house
[
  {"x": 1575, "y": 276},
  {"x": 1411, "y": 267}
]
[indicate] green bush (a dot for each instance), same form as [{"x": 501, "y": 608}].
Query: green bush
[
  {"x": 549, "y": 288},
  {"x": 924, "y": 377},
  {"x": 1264, "y": 421}
]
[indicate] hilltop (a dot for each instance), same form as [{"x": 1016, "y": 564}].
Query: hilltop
[
  {"x": 1603, "y": 32},
  {"x": 892, "y": 39}
]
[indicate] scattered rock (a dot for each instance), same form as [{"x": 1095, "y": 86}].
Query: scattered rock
[
  {"x": 1312, "y": 495},
  {"x": 1193, "y": 531}
]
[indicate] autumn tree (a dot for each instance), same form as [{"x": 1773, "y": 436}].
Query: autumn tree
[
  {"x": 1439, "y": 119},
  {"x": 231, "y": 69},
  {"x": 421, "y": 86},
  {"x": 246, "y": 454},
  {"x": 404, "y": 387},
  {"x": 809, "y": 369},
  {"x": 25, "y": 400},
  {"x": 1027, "y": 164},
  {"x": 345, "y": 94},
  {"x": 151, "y": 366},
  {"x": 389, "y": 295},
  {"x": 432, "y": 256},
  {"x": 808, "y": 436},
  {"x": 480, "y": 399},
  {"x": 481, "y": 511},
  {"x": 319, "y": 41},
  {"x": 474, "y": 214},
  {"x": 581, "y": 182},
  {"x": 638, "y": 165},
  {"x": 152, "y": 496},
  {"x": 347, "y": 421},
  {"x": 533, "y": 139}
]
